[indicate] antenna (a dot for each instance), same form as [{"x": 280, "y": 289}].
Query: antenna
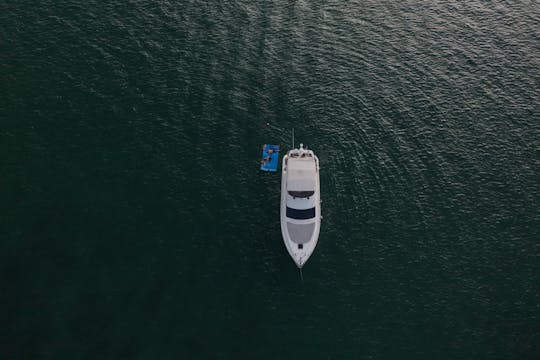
[{"x": 293, "y": 138}]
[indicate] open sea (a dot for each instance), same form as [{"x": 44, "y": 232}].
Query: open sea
[{"x": 135, "y": 222}]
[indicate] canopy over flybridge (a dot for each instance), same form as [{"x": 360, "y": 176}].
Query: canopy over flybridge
[{"x": 302, "y": 174}]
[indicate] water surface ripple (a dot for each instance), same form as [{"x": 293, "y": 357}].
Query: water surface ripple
[{"x": 136, "y": 224}]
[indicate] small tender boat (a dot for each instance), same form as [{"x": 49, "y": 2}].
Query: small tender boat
[
  {"x": 300, "y": 203},
  {"x": 269, "y": 161}
]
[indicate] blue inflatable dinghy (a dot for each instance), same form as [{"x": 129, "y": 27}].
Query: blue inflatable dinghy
[{"x": 270, "y": 155}]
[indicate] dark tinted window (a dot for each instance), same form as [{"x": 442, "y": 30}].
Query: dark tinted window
[
  {"x": 301, "y": 194},
  {"x": 300, "y": 214}
]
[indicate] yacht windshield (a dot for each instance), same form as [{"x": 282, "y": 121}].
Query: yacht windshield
[
  {"x": 300, "y": 214},
  {"x": 301, "y": 194}
]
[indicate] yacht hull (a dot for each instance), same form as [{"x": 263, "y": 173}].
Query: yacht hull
[{"x": 300, "y": 216}]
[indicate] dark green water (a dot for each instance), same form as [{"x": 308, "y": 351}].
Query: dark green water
[{"x": 135, "y": 223}]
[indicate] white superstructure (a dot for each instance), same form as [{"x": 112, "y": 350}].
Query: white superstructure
[{"x": 300, "y": 203}]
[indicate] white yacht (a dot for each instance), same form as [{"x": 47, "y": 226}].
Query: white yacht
[{"x": 300, "y": 203}]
